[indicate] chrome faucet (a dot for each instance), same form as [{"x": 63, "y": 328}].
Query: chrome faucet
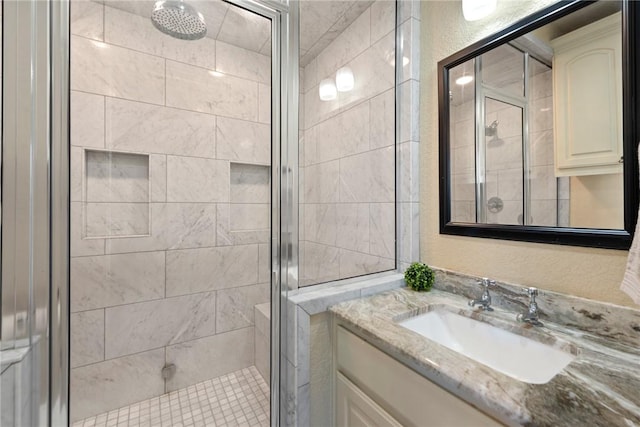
[
  {"x": 485, "y": 300},
  {"x": 531, "y": 316}
]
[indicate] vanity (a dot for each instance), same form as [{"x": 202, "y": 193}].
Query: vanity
[{"x": 388, "y": 374}]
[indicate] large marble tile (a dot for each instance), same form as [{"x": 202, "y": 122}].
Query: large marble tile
[
  {"x": 116, "y": 219},
  {"x": 116, "y": 177},
  {"x": 317, "y": 18},
  {"x": 76, "y": 176},
  {"x": 197, "y": 89},
  {"x": 316, "y": 110},
  {"x": 87, "y": 119},
  {"x": 321, "y": 223},
  {"x": 135, "y": 32},
  {"x": 79, "y": 245},
  {"x": 191, "y": 179},
  {"x": 105, "y": 69},
  {"x": 264, "y": 263},
  {"x": 264, "y": 103},
  {"x": 383, "y": 18},
  {"x": 357, "y": 264},
  {"x": 136, "y": 126},
  {"x": 231, "y": 351},
  {"x": 158, "y": 177},
  {"x": 226, "y": 236},
  {"x": 310, "y": 76},
  {"x": 382, "y": 120},
  {"x": 199, "y": 270},
  {"x": 262, "y": 355},
  {"x": 87, "y": 337},
  {"x": 235, "y": 308},
  {"x": 343, "y": 135},
  {"x": 544, "y": 212},
  {"x": 409, "y": 247},
  {"x": 409, "y": 184},
  {"x": 410, "y": 111},
  {"x": 542, "y": 148},
  {"x": 115, "y": 383},
  {"x": 353, "y": 226},
  {"x": 368, "y": 177},
  {"x": 354, "y": 40},
  {"x": 382, "y": 229},
  {"x": 87, "y": 19},
  {"x": 109, "y": 280},
  {"x": 321, "y": 264},
  {"x": 243, "y": 141},
  {"x": 250, "y": 183},
  {"x": 133, "y": 328},
  {"x": 249, "y": 216},
  {"x": 243, "y": 63},
  {"x": 373, "y": 71},
  {"x": 544, "y": 184},
  {"x": 245, "y": 29},
  {"x": 510, "y": 184},
  {"x": 173, "y": 226},
  {"x": 321, "y": 182}
]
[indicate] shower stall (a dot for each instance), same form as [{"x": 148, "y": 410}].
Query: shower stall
[
  {"x": 502, "y": 136},
  {"x": 172, "y": 172}
]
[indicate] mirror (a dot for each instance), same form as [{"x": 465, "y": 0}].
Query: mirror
[{"x": 538, "y": 130}]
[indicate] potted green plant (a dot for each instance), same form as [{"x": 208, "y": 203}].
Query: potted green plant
[{"x": 419, "y": 277}]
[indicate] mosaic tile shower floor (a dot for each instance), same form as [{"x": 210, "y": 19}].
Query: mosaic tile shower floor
[{"x": 239, "y": 399}]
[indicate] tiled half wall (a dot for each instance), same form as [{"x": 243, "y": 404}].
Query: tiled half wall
[{"x": 170, "y": 207}]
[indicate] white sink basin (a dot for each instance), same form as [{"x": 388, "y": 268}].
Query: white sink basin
[{"x": 519, "y": 357}]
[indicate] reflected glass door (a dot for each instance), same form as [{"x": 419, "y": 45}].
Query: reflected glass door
[
  {"x": 171, "y": 148},
  {"x": 503, "y": 201}
]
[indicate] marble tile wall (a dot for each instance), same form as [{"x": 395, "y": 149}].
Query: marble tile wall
[
  {"x": 347, "y": 154},
  {"x": 170, "y": 207}
]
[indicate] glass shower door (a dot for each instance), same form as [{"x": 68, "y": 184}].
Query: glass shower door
[
  {"x": 503, "y": 201},
  {"x": 172, "y": 140}
]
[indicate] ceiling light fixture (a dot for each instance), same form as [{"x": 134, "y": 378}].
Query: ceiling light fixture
[{"x": 472, "y": 10}]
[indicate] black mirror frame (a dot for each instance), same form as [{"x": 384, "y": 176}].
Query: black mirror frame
[{"x": 600, "y": 238}]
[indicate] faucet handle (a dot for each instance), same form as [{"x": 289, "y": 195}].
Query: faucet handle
[
  {"x": 532, "y": 292},
  {"x": 487, "y": 283}
]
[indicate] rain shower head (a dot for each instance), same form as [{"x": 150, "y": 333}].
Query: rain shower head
[{"x": 178, "y": 19}]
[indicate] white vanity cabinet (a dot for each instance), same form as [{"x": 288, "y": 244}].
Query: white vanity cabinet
[
  {"x": 373, "y": 389},
  {"x": 587, "y": 95}
]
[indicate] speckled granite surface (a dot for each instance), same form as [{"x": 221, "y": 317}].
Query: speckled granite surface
[{"x": 600, "y": 387}]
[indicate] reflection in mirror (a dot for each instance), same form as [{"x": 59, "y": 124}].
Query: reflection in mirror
[{"x": 535, "y": 127}]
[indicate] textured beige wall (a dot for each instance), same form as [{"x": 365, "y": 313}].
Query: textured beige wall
[{"x": 585, "y": 272}]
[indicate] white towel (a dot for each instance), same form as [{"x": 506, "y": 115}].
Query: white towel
[{"x": 631, "y": 279}]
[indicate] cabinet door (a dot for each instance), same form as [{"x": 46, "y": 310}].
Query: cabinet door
[
  {"x": 356, "y": 409},
  {"x": 588, "y": 99}
]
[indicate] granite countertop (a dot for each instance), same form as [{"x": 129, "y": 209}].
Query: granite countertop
[{"x": 601, "y": 386}]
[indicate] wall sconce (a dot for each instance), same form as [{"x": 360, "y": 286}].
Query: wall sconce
[
  {"x": 464, "y": 80},
  {"x": 344, "y": 79},
  {"x": 327, "y": 90},
  {"x": 472, "y": 10}
]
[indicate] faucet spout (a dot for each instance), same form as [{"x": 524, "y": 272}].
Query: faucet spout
[
  {"x": 531, "y": 316},
  {"x": 485, "y": 300}
]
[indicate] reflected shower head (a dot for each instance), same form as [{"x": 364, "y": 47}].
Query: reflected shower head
[{"x": 179, "y": 20}]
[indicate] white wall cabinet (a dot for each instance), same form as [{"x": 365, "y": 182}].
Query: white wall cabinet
[
  {"x": 373, "y": 389},
  {"x": 587, "y": 93}
]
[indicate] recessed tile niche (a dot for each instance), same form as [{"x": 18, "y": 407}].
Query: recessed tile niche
[
  {"x": 116, "y": 194},
  {"x": 250, "y": 197}
]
